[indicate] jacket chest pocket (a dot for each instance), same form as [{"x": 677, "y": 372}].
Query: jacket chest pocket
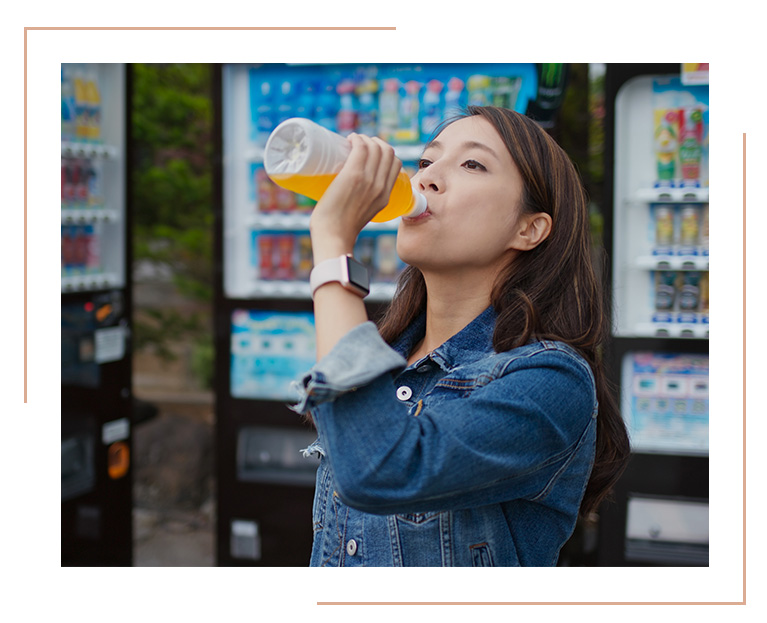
[{"x": 421, "y": 539}]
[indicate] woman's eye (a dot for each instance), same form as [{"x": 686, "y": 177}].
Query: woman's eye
[
  {"x": 473, "y": 165},
  {"x": 423, "y": 163}
]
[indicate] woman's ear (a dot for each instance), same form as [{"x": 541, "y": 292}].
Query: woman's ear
[{"x": 533, "y": 229}]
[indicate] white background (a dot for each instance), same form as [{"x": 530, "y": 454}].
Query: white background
[{"x": 728, "y": 36}]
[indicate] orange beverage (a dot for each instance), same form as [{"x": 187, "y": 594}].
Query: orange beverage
[
  {"x": 401, "y": 200},
  {"x": 305, "y": 158}
]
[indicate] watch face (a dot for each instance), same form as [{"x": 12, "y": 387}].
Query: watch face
[{"x": 358, "y": 275}]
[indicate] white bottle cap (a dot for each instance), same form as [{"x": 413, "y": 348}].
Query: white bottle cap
[{"x": 419, "y": 205}]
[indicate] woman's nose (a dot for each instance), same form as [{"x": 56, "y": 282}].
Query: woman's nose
[{"x": 429, "y": 178}]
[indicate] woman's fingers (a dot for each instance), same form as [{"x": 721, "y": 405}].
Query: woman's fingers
[
  {"x": 372, "y": 168},
  {"x": 390, "y": 164}
]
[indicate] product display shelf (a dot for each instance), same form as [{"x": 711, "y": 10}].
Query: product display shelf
[
  {"x": 104, "y": 219},
  {"x": 300, "y": 222},
  {"x": 670, "y": 195},
  {"x": 77, "y": 149},
  {"x": 671, "y": 262},
  {"x": 671, "y": 330},
  {"x": 273, "y": 289},
  {"x": 95, "y": 281},
  {"x": 78, "y": 216}
]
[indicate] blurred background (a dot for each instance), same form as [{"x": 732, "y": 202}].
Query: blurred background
[{"x": 186, "y": 310}]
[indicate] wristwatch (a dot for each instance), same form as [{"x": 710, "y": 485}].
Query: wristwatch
[{"x": 347, "y": 271}]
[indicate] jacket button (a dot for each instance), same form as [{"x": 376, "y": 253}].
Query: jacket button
[
  {"x": 404, "y": 393},
  {"x": 351, "y": 547}
]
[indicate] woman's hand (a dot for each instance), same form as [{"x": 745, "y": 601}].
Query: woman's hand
[{"x": 358, "y": 193}]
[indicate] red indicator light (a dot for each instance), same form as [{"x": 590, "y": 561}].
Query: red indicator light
[{"x": 89, "y": 307}]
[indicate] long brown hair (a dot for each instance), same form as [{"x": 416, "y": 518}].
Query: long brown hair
[{"x": 550, "y": 292}]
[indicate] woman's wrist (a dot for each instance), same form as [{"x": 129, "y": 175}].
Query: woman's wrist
[{"x": 326, "y": 244}]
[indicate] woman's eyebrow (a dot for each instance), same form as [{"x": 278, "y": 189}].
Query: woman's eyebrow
[{"x": 465, "y": 145}]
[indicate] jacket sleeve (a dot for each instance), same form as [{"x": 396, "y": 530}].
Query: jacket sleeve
[
  {"x": 508, "y": 439},
  {"x": 359, "y": 357}
]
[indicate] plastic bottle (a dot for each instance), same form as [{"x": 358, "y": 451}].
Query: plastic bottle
[
  {"x": 92, "y": 250},
  {"x": 67, "y": 106},
  {"x": 305, "y": 102},
  {"x": 82, "y": 110},
  {"x": 665, "y": 141},
  {"x": 304, "y": 157},
  {"x": 327, "y": 107},
  {"x": 93, "y": 101},
  {"x": 95, "y": 184},
  {"x": 454, "y": 97},
  {"x": 480, "y": 90},
  {"x": 285, "y": 101},
  {"x": 366, "y": 91},
  {"x": 431, "y": 110},
  {"x": 408, "y": 132},
  {"x": 690, "y": 145},
  {"x": 346, "y": 121},
  {"x": 388, "y": 109},
  {"x": 264, "y": 113}
]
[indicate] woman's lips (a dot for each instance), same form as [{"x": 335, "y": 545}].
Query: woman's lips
[{"x": 416, "y": 219}]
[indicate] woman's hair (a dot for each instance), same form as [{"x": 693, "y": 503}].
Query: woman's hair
[{"x": 548, "y": 293}]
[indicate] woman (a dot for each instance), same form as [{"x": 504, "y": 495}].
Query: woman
[{"x": 474, "y": 424}]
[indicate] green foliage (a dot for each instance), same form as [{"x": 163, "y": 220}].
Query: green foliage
[
  {"x": 203, "y": 360},
  {"x": 171, "y": 178}
]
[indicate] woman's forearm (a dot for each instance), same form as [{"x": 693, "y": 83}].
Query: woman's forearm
[
  {"x": 360, "y": 190},
  {"x": 336, "y": 310}
]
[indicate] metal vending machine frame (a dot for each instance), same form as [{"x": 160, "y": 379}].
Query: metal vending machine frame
[
  {"x": 96, "y": 303},
  {"x": 659, "y": 512}
]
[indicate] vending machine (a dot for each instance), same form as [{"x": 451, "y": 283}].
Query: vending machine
[
  {"x": 96, "y": 401},
  {"x": 657, "y": 190},
  {"x": 263, "y": 309}
]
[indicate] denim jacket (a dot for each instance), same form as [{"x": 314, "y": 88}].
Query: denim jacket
[{"x": 467, "y": 457}]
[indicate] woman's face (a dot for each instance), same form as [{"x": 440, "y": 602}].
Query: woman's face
[{"x": 473, "y": 191}]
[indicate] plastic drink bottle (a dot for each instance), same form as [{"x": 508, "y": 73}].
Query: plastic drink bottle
[{"x": 304, "y": 157}]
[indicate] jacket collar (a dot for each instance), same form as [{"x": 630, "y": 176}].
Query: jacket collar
[{"x": 470, "y": 344}]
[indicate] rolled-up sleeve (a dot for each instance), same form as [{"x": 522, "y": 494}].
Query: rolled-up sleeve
[{"x": 358, "y": 358}]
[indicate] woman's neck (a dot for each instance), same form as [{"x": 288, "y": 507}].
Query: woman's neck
[{"x": 451, "y": 304}]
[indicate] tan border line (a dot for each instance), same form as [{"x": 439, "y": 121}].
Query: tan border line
[
  {"x": 530, "y": 603},
  {"x": 25, "y": 216},
  {"x": 210, "y": 28},
  {"x": 744, "y": 367},
  {"x": 27, "y": 28}
]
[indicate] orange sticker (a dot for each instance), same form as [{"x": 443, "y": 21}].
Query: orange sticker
[
  {"x": 103, "y": 312},
  {"x": 118, "y": 459}
]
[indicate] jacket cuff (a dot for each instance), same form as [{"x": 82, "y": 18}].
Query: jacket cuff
[{"x": 358, "y": 358}]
